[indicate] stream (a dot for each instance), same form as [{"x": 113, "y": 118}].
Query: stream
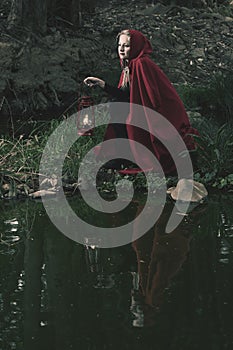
[{"x": 168, "y": 291}]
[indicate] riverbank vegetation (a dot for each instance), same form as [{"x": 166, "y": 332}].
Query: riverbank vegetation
[
  {"x": 20, "y": 154},
  {"x": 211, "y": 109}
]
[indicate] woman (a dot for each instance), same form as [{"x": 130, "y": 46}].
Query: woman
[{"x": 143, "y": 83}]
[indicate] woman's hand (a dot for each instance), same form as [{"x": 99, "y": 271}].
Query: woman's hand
[{"x": 93, "y": 81}]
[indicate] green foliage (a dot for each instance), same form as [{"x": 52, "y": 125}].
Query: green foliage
[
  {"x": 215, "y": 153},
  {"x": 215, "y": 124},
  {"x": 214, "y": 100},
  {"x": 20, "y": 156},
  {"x": 222, "y": 87},
  {"x": 141, "y": 182}
]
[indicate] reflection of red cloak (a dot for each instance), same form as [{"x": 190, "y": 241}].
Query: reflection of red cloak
[
  {"x": 160, "y": 255},
  {"x": 150, "y": 87}
]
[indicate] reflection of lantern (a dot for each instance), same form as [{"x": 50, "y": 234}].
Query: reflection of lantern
[{"x": 86, "y": 118}]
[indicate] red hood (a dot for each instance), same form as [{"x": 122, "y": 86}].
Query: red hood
[{"x": 139, "y": 45}]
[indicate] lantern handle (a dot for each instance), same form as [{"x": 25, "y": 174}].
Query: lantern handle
[{"x": 83, "y": 89}]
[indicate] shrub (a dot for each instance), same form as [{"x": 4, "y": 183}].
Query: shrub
[{"x": 214, "y": 100}]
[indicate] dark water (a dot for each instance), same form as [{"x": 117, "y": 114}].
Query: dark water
[{"x": 164, "y": 291}]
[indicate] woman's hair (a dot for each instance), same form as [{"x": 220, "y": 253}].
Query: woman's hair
[
  {"x": 125, "y": 32},
  {"x": 124, "y": 63}
]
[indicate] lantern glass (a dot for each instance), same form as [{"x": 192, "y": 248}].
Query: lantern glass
[{"x": 86, "y": 119}]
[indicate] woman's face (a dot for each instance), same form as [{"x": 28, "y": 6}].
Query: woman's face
[{"x": 124, "y": 46}]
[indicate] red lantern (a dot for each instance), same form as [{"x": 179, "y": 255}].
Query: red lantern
[{"x": 86, "y": 117}]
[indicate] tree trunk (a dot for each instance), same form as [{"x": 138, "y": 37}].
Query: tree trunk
[
  {"x": 15, "y": 15},
  {"x": 75, "y": 12},
  {"x": 29, "y": 13}
]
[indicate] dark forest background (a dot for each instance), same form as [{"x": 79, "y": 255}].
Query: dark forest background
[
  {"x": 47, "y": 48},
  {"x": 38, "y": 14}
]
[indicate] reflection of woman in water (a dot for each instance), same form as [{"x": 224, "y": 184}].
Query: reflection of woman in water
[
  {"x": 160, "y": 255},
  {"x": 143, "y": 83}
]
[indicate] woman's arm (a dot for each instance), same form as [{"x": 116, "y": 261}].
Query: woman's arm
[{"x": 119, "y": 94}]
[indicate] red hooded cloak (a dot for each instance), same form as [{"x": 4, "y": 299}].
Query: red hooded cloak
[{"x": 151, "y": 88}]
